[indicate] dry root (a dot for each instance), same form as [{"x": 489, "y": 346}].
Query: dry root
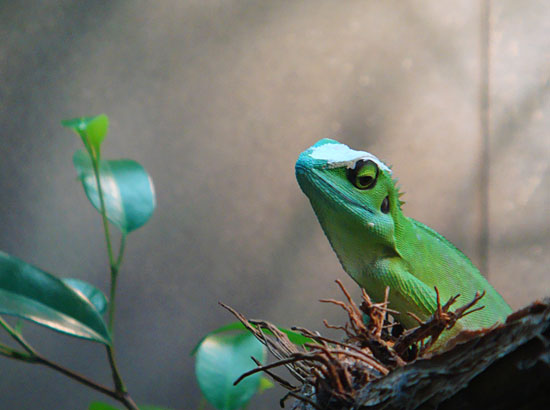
[{"x": 331, "y": 372}]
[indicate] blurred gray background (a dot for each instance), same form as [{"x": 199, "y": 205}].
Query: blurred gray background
[{"x": 217, "y": 99}]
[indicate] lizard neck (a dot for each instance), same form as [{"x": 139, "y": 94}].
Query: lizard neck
[{"x": 356, "y": 243}]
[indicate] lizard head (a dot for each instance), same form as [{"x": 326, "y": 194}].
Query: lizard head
[{"x": 353, "y": 195}]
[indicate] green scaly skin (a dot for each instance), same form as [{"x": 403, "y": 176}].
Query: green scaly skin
[{"x": 378, "y": 246}]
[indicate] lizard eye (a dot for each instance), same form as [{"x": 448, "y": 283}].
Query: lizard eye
[{"x": 364, "y": 175}]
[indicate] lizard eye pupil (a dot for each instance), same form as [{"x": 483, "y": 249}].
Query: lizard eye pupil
[
  {"x": 385, "y": 207},
  {"x": 364, "y": 175},
  {"x": 365, "y": 181}
]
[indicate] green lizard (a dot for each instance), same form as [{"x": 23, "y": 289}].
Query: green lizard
[{"x": 357, "y": 203}]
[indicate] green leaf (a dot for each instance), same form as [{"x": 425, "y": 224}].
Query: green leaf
[
  {"x": 90, "y": 292},
  {"x": 18, "y": 326},
  {"x": 127, "y": 188},
  {"x": 294, "y": 337},
  {"x": 97, "y": 130},
  {"x": 220, "y": 360},
  {"x": 265, "y": 384},
  {"x": 92, "y": 130},
  {"x": 32, "y": 294},
  {"x": 98, "y": 405}
]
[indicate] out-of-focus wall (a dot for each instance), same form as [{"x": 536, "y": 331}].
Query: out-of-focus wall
[{"x": 216, "y": 99}]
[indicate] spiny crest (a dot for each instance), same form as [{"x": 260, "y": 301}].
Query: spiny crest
[{"x": 398, "y": 192}]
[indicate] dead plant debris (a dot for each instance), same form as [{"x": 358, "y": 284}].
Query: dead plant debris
[{"x": 331, "y": 373}]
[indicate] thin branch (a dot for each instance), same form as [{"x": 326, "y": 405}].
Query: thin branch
[
  {"x": 278, "y": 379},
  {"x": 76, "y": 376},
  {"x": 270, "y": 366},
  {"x": 32, "y": 356},
  {"x": 103, "y": 212},
  {"x": 371, "y": 361},
  {"x": 114, "y": 265},
  {"x": 15, "y": 354},
  {"x": 17, "y": 337},
  {"x": 114, "y": 276},
  {"x": 121, "y": 251},
  {"x": 119, "y": 385},
  {"x": 117, "y": 395}
]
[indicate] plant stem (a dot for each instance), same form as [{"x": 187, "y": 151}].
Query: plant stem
[
  {"x": 117, "y": 378},
  {"x": 121, "y": 251},
  {"x": 114, "y": 265},
  {"x": 32, "y": 356},
  {"x": 15, "y": 354},
  {"x": 120, "y": 396},
  {"x": 17, "y": 337},
  {"x": 95, "y": 164},
  {"x": 78, "y": 377},
  {"x": 114, "y": 275},
  {"x": 112, "y": 300}
]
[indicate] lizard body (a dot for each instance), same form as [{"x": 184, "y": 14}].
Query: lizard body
[{"x": 357, "y": 204}]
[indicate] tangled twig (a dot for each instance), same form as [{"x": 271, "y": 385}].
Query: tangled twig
[{"x": 336, "y": 370}]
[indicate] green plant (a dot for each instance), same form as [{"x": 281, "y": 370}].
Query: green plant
[
  {"x": 225, "y": 354},
  {"x": 123, "y": 194}
]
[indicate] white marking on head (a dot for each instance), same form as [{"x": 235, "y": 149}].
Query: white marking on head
[{"x": 339, "y": 155}]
